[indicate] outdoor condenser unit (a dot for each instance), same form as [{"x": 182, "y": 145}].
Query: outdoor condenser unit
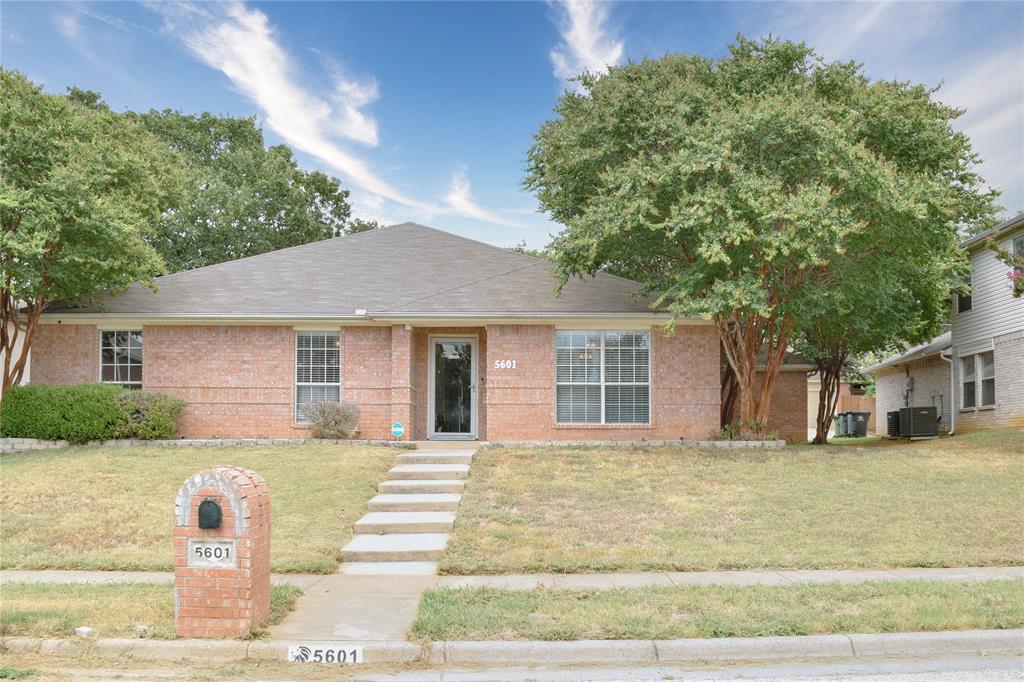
[
  {"x": 919, "y": 422},
  {"x": 892, "y": 424}
]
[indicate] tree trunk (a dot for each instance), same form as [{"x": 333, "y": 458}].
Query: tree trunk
[
  {"x": 742, "y": 342},
  {"x": 12, "y": 327},
  {"x": 830, "y": 371},
  {"x": 730, "y": 394}
]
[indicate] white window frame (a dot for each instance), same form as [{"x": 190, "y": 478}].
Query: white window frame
[
  {"x": 602, "y": 382},
  {"x": 978, "y": 380},
  {"x": 142, "y": 360},
  {"x": 295, "y": 372}
]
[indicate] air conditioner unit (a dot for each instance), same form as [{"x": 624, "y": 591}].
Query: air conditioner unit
[
  {"x": 919, "y": 422},
  {"x": 892, "y": 424}
]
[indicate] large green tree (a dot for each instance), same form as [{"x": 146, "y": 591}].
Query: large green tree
[
  {"x": 245, "y": 198},
  {"x": 80, "y": 189},
  {"x": 730, "y": 188}
]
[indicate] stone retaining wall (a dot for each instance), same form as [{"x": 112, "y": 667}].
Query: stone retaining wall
[{"x": 22, "y": 444}]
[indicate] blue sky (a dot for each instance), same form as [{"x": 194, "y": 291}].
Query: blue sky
[{"x": 426, "y": 110}]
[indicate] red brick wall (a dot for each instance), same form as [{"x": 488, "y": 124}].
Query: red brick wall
[
  {"x": 238, "y": 381},
  {"x": 684, "y": 387},
  {"x": 366, "y": 377},
  {"x": 788, "y": 413},
  {"x": 65, "y": 354}
]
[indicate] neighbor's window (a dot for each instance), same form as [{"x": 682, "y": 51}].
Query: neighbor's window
[
  {"x": 121, "y": 358},
  {"x": 967, "y": 394},
  {"x": 603, "y": 377},
  {"x": 987, "y": 370},
  {"x": 964, "y": 302},
  {"x": 317, "y": 370}
]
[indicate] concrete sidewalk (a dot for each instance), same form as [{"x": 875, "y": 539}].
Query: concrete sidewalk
[{"x": 597, "y": 581}]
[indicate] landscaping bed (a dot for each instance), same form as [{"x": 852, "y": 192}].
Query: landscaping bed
[
  {"x": 710, "y": 611},
  {"x": 111, "y": 508},
  {"x": 950, "y": 502},
  {"x": 112, "y": 609}
]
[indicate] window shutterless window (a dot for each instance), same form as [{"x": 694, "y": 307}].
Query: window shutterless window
[
  {"x": 317, "y": 370},
  {"x": 602, "y": 377},
  {"x": 965, "y": 302},
  {"x": 987, "y": 370},
  {"x": 967, "y": 380},
  {"x": 121, "y": 358}
]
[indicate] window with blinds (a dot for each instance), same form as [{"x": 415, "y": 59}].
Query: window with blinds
[
  {"x": 317, "y": 370},
  {"x": 602, "y": 377}
]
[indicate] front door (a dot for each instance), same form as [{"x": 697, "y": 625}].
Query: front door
[{"x": 452, "y": 412}]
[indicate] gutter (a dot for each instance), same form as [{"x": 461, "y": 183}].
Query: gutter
[{"x": 952, "y": 390}]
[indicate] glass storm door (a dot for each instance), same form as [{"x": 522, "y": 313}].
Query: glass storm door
[{"x": 453, "y": 388}]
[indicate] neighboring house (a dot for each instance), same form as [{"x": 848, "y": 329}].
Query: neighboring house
[
  {"x": 450, "y": 337},
  {"x": 975, "y": 372}
]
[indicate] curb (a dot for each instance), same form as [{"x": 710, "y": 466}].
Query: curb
[{"x": 529, "y": 652}]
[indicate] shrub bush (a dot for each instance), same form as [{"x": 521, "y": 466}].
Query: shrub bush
[
  {"x": 73, "y": 413},
  {"x": 148, "y": 415},
  {"x": 332, "y": 420},
  {"x": 86, "y": 412}
]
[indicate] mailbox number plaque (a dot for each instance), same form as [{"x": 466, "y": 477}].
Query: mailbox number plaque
[{"x": 211, "y": 553}]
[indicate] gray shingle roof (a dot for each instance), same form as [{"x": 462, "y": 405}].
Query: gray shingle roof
[
  {"x": 925, "y": 350},
  {"x": 401, "y": 269}
]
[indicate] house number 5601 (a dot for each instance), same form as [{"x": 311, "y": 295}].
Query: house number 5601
[{"x": 504, "y": 364}]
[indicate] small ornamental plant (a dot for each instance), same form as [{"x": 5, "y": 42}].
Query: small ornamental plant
[
  {"x": 333, "y": 421},
  {"x": 1016, "y": 262}
]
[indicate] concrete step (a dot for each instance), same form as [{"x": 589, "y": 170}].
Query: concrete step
[
  {"x": 395, "y": 547},
  {"x": 421, "y": 486},
  {"x": 405, "y": 522},
  {"x": 441, "y": 457},
  {"x": 431, "y": 471},
  {"x": 409, "y": 502},
  {"x": 390, "y": 568}
]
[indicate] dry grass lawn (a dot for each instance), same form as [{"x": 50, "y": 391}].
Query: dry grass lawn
[
  {"x": 111, "y": 508},
  {"x": 113, "y": 609},
  {"x": 682, "y": 612},
  {"x": 951, "y": 502}
]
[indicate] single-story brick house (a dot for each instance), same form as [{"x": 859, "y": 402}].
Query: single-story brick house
[{"x": 450, "y": 337}]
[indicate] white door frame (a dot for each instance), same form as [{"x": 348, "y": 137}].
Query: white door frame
[{"x": 473, "y": 341}]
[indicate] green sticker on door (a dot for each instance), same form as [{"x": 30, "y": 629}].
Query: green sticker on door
[{"x": 398, "y": 429}]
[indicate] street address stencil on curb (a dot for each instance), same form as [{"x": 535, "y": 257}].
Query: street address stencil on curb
[
  {"x": 204, "y": 553},
  {"x": 316, "y": 653}
]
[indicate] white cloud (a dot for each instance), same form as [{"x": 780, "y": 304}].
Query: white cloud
[
  {"x": 241, "y": 43},
  {"x": 460, "y": 200},
  {"x": 68, "y": 25},
  {"x": 587, "y": 43}
]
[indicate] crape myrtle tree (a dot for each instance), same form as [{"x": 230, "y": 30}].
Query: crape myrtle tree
[
  {"x": 730, "y": 188},
  {"x": 80, "y": 189}
]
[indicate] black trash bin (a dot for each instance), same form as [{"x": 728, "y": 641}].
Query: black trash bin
[
  {"x": 858, "y": 424},
  {"x": 843, "y": 424}
]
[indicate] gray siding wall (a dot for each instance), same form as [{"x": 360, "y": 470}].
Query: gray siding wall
[
  {"x": 931, "y": 387},
  {"x": 995, "y": 322}
]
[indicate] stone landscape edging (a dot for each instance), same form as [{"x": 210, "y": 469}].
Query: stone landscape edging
[
  {"x": 533, "y": 652},
  {"x": 8, "y": 445},
  {"x": 769, "y": 444}
]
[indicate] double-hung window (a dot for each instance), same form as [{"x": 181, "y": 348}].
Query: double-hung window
[
  {"x": 317, "y": 370},
  {"x": 603, "y": 377},
  {"x": 121, "y": 358},
  {"x": 968, "y": 381},
  {"x": 987, "y": 370},
  {"x": 978, "y": 372}
]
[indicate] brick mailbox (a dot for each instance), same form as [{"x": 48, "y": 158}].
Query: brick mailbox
[{"x": 221, "y": 553}]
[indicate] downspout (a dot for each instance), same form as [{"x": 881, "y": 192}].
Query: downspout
[{"x": 952, "y": 390}]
